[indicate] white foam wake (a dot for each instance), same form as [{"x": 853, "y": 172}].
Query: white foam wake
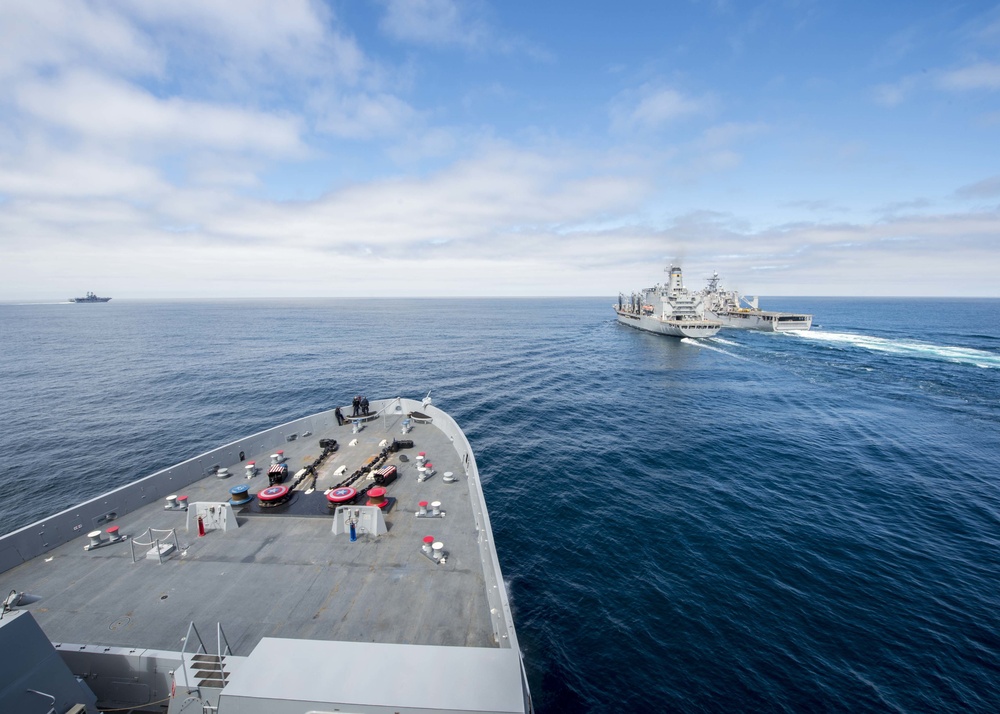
[
  {"x": 707, "y": 344},
  {"x": 907, "y": 348}
]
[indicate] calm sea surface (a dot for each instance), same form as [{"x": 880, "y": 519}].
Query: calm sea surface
[{"x": 800, "y": 523}]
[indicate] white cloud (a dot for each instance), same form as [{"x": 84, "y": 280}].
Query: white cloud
[
  {"x": 41, "y": 171},
  {"x": 146, "y": 143},
  {"x": 363, "y": 115},
  {"x": 652, "y": 106},
  {"x": 447, "y": 23},
  {"x": 260, "y": 25},
  {"x": 981, "y": 76},
  {"x": 496, "y": 225},
  {"x": 433, "y": 22},
  {"x": 43, "y": 227},
  {"x": 984, "y": 75},
  {"x": 49, "y": 34},
  {"x": 428, "y": 144},
  {"x": 255, "y": 42},
  {"x": 98, "y": 108},
  {"x": 723, "y": 135},
  {"x": 490, "y": 198},
  {"x": 220, "y": 170},
  {"x": 894, "y": 94}
]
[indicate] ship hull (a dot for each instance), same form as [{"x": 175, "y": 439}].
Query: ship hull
[
  {"x": 674, "y": 328},
  {"x": 763, "y": 321},
  {"x": 281, "y": 587}
]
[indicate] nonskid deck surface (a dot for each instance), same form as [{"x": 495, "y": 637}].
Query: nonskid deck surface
[{"x": 283, "y": 575}]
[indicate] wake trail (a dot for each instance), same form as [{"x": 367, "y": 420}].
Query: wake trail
[
  {"x": 706, "y": 344},
  {"x": 907, "y": 348}
]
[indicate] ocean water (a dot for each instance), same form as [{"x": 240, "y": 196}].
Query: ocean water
[{"x": 754, "y": 523}]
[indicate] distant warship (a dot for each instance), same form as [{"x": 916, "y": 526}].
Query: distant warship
[{"x": 90, "y": 298}]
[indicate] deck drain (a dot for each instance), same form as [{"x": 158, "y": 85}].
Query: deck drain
[
  {"x": 163, "y": 597},
  {"x": 119, "y": 623}
]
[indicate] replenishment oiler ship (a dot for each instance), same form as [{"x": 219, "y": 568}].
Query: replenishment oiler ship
[
  {"x": 667, "y": 309},
  {"x": 733, "y": 310},
  {"x": 313, "y": 567}
]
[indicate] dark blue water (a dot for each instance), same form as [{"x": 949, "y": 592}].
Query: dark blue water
[{"x": 758, "y": 523}]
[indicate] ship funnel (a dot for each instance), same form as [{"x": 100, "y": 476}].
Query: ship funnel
[{"x": 676, "y": 282}]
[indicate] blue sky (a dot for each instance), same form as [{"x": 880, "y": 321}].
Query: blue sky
[{"x": 208, "y": 148}]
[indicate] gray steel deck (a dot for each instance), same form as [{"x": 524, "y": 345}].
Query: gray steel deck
[{"x": 280, "y": 575}]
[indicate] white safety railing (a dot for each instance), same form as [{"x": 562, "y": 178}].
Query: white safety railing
[{"x": 154, "y": 542}]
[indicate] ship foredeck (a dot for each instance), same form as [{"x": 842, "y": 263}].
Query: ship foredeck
[{"x": 284, "y": 573}]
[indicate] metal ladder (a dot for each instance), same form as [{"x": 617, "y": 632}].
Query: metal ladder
[{"x": 210, "y": 669}]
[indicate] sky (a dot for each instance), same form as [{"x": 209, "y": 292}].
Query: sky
[{"x": 409, "y": 148}]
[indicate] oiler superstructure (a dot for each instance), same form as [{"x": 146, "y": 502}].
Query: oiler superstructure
[{"x": 668, "y": 309}]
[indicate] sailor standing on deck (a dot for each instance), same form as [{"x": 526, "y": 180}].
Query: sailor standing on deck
[
  {"x": 364, "y": 405},
  {"x": 340, "y": 418},
  {"x": 356, "y": 404}
]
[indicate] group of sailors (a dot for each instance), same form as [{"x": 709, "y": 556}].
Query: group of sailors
[{"x": 359, "y": 405}]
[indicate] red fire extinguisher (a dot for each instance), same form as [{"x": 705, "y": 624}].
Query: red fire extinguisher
[{"x": 201, "y": 527}]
